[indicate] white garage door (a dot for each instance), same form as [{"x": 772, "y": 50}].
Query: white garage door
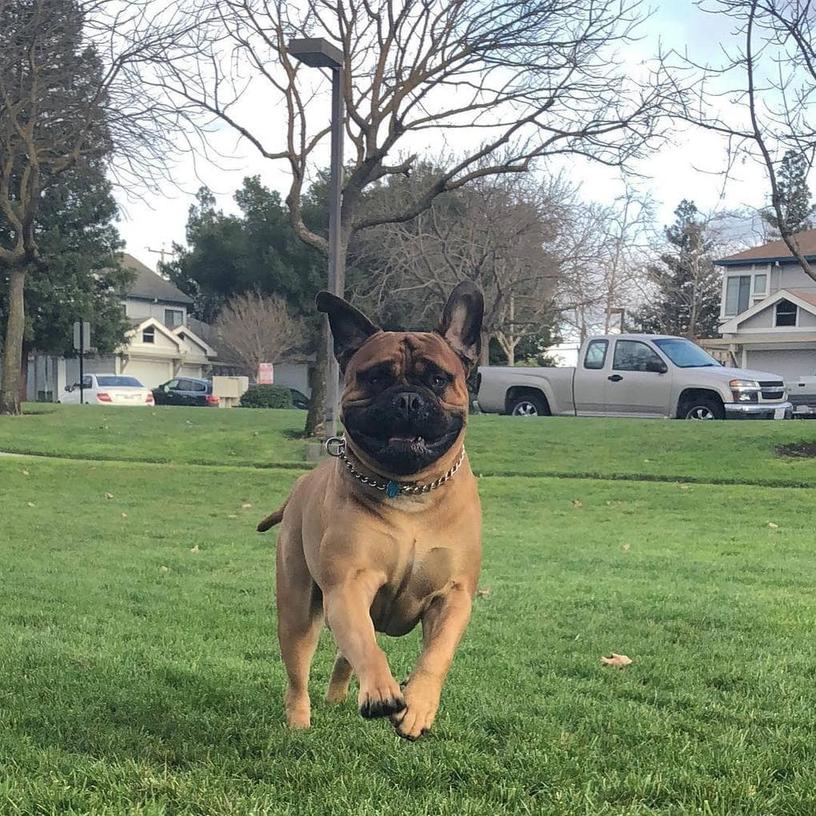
[
  {"x": 191, "y": 371},
  {"x": 150, "y": 373},
  {"x": 790, "y": 365}
]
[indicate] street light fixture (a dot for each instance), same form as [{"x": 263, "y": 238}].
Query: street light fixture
[{"x": 317, "y": 52}]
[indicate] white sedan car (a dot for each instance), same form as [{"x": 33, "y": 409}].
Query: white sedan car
[{"x": 108, "y": 389}]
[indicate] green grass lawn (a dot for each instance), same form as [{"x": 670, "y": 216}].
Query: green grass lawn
[
  {"x": 719, "y": 452},
  {"x": 139, "y": 668}
]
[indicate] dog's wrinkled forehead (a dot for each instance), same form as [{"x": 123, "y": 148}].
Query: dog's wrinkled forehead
[{"x": 404, "y": 354}]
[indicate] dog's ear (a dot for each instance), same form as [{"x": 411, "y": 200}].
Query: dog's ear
[
  {"x": 349, "y": 326},
  {"x": 461, "y": 322}
]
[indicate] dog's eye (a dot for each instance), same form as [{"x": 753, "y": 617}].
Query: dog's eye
[
  {"x": 438, "y": 381},
  {"x": 376, "y": 378}
]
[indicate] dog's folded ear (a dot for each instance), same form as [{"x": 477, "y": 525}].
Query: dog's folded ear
[
  {"x": 349, "y": 326},
  {"x": 461, "y": 323}
]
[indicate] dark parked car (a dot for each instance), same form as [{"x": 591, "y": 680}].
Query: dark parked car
[
  {"x": 299, "y": 399},
  {"x": 185, "y": 391}
]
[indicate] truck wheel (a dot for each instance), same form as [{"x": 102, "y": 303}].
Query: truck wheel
[
  {"x": 702, "y": 408},
  {"x": 528, "y": 405}
]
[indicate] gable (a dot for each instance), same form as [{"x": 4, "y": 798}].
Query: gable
[
  {"x": 163, "y": 339},
  {"x": 761, "y": 317},
  {"x": 193, "y": 343}
]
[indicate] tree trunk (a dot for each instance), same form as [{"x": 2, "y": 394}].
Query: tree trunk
[
  {"x": 22, "y": 384},
  {"x": 484, "y": 356},
  {"x": 13, "y": 344},
  {"x": 317, "y": 382}
]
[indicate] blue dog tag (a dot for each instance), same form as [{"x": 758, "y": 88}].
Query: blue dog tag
[{"x": 392, "y": 490}]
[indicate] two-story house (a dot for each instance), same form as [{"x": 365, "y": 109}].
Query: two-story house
[
  {"x": 161, "y": 343},
  {"x": 768, "y": 311}
]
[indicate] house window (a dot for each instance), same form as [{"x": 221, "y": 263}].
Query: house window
[
  {"x": 737, "y": 294},
  {"x": 173, "y": 317},
  {"x": 760, "y": 286},
  {"x": 149, "y": 335},
  {"x": 786, "y": 313}
]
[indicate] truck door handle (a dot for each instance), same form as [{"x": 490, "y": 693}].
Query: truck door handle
[{"x": 615, "y": 378}]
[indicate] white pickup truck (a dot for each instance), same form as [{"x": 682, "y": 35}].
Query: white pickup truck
[
  {"x": 803, "y": 396},
  {"x": 635, "y": 375}
]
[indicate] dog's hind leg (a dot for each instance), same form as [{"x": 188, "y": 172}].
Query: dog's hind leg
[
  {"x": 300, "y": 618},
  {"x": 339, "y": 683}
]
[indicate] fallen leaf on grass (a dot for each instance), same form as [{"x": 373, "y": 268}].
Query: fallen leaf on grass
[
  {"x": 124, "y": 515},
  {"x": 246, "y": 506},
  {"x": 484, "y": 592},
  {"x": 619, "y": 661},
  {"x": 577, "y": 503},
  {"x": 773, "y": 526},
  {"x": 195, "y": 549},
  {"x": 625, "y": 547},
  {"x": 108, "y": 495},
  {"x": 232, "y": 515},
  {"x": 162, "y": 568},
  {"x": 31, "y": 504},
  {"x": 25, "y": 473}
]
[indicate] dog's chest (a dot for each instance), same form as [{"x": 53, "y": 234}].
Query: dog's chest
[{"x": 423, "y": 572}]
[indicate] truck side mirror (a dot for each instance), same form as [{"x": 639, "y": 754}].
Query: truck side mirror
[{"x": 656, "y": 367}]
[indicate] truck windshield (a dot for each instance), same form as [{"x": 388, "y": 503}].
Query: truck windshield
[{"x": 685, "y": 354}]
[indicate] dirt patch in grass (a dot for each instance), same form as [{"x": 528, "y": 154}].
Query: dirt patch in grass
[{"x": 797, "y": 450}]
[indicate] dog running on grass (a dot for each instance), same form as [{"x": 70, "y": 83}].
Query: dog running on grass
[{"x": 387, "y": 533}]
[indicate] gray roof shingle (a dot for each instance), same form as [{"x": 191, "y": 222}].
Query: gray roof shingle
[{"x": 150, "y": 286}]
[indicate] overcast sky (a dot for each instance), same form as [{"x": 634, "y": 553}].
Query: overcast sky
[{"x": 689, "y": 168}]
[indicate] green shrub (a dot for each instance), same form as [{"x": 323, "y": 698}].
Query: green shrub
[{"x": 267, "y": 396}]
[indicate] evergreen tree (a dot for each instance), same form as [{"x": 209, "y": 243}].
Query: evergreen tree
[
  {"x": 52, "y": 119},
  {"x": 79, "y": 275},
  {"x": 256, "y": 251},
  {"x": 687, "y": 285},
  {"x": 794, "y": 195}
]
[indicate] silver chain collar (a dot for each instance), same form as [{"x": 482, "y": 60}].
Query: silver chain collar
[{"x": 336, "y": 446}]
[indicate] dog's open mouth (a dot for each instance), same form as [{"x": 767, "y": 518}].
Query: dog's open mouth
[
  {"x": 415, "y": 444},
  {"x": 402, "y": 452}
]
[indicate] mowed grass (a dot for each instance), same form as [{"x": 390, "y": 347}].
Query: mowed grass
[
  {"x": 140, "y": 672},
  {"x": 717, "y": 452}
]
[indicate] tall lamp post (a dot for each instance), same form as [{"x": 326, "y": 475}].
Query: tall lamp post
[{"x": 320, "y": 53}]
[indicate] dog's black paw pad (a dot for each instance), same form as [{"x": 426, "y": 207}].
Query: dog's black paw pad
[{"x": 372, "y": 709}]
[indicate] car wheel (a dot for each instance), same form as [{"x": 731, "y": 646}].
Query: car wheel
[
  {"x": 702, "y": 409},
  {"x": 528, "y": 405}
]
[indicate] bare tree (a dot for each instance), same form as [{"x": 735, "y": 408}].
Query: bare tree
[
  {"x": 761, "y": 95},
  {"x": 496, "y": 233},
  {"x": 258, "y": 329},
  {"x": 67, "y": 97},
  {"x": 605, "y": 251},
  {"x": 510, "y": 82}
]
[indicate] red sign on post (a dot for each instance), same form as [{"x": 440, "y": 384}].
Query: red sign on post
[{"x": 266, "y": 374}]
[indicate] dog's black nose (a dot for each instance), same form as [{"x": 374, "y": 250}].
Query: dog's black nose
[{"x": 408, "y": 402}]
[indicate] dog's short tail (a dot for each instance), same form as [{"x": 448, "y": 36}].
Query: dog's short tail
[{"x": 272, "y": 519}]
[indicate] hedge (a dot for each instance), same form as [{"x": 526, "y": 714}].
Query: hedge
[{"x": 267, "y": 396}]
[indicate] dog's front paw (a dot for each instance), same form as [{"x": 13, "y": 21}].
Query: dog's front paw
[
  {"x": 380, "y": 698},
  {"x": 421, "y": 705}
]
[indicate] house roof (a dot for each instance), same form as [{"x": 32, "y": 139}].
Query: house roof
[
  {"x": 774, "y": 251},
  {"x": 150, "y": 286},
  {"x": 808, "y": 297}
]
